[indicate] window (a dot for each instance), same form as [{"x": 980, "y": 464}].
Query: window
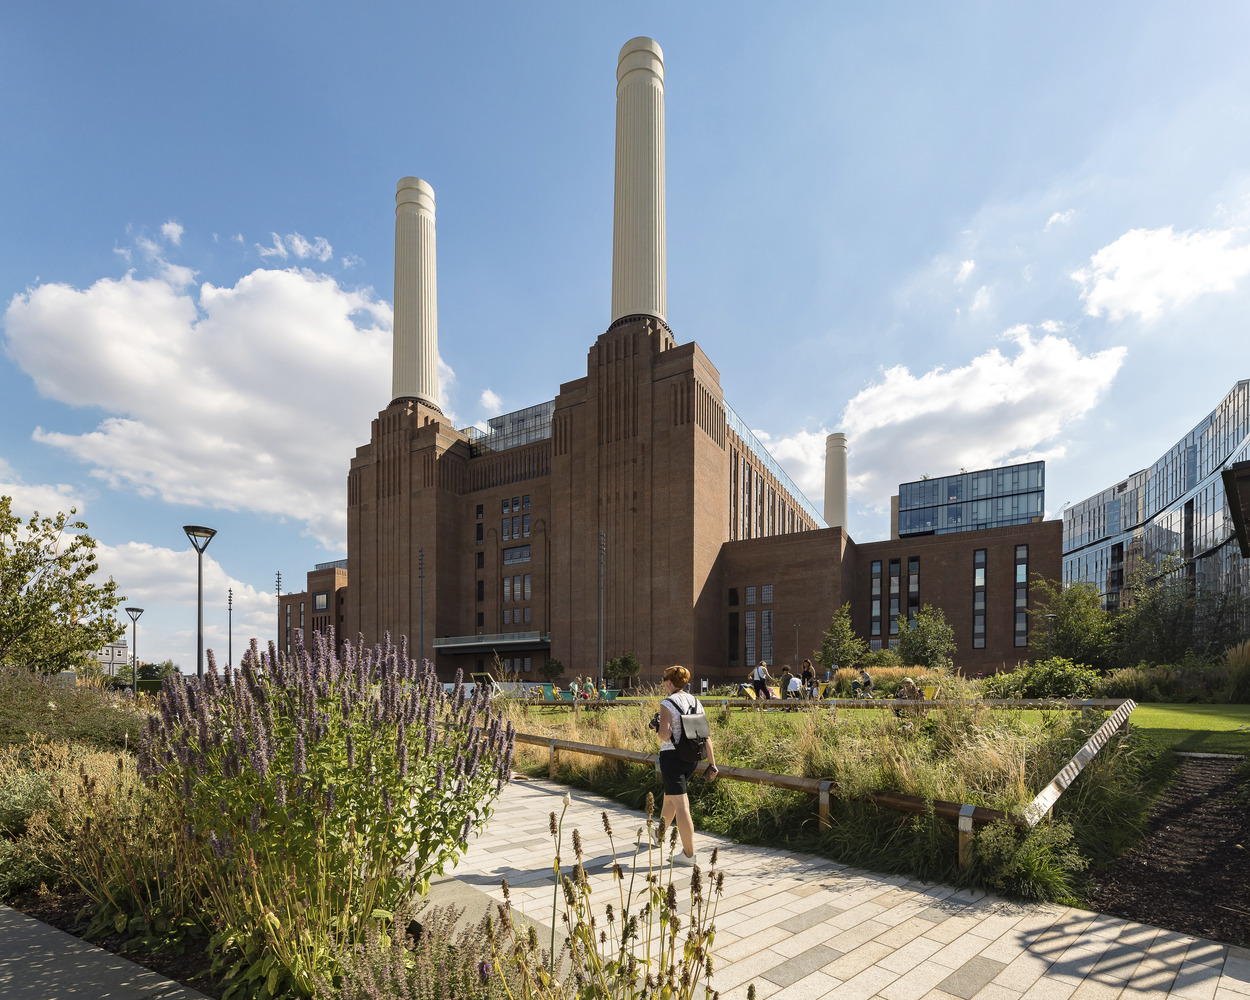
[
  {"x": 479, "y": 512},
  {"x": 321, "y": 602},
  {"x": 478, "y": 539},
  {"x": 507, "y": 507},
  {"x": 481, "y": 590},
  {"x": 527, "y": 615},
  {"x": 505, "y": 529},
  {"x": 750, "y": 595},
  {"x": 978, "y": 599},
  {"x": 766, "y": 635},
  {"x": 528, "y": 661},
  {"x": 527, "y": 586},
  {"x": 913, "y": 587},
  {"x": 507, "y": 588},
  {"x": 875, "y": 620},
  {"x": 516, "y": 588},
  {"x": 525, "y": 505},
  {"x": 734, "y": 640},
  {"x": 750, "y": 623},
  {"x": 733, "y": 597},
  {"x": 525, "y": 526},
  {"x": 301, "y": 614},
  {"x": 1022, "y": 596},
  {"x": 516, "y": 527},
  {"x": 507, "y": 616},
  {"x": 766, "y": 594},
  {"x": 516, "y": 503},
  {"x": 481, "y": 619},
  {"x": 516, "y": 554},
  {"x": 481, "y": 560}
]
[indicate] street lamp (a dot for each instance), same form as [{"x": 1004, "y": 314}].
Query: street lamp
[
  {"x": 134, "y": 649},
  {"x": 1050, "y": 620},
  {"x": 200, "y": 537},
  {"x": 229, "y": 626}
]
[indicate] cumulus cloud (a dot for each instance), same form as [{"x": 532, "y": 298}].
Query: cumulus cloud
[
  {"x": 163, "y": 582},
  {"x": 46, "y": 498},
  {"x": 173, "y": 232},
  {"x": 248, "y": 397},
  {"x": 980, "y": 301},
  {"x": 1003, "y": 406},
  {"x": 802, "y": 455},
  {"x": 350, "y": 261},
  {"x": 1059, "y": 219},
  {"x": 490, "y": 402},
  {"x": 965, "y": 271},
  {"x": 1147, "y": 271},
  {"x": 294, "y": 244}
]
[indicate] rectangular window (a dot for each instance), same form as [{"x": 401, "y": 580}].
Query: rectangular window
[
  {"x": 750, "y": 624},
  {"x": 766, "y": 594},
  {"x": 734, "y": 639},
  {"x": 301, "y": 614},
  {"x": 479, "y": 512},
  {"x": 516, "y": 503},
  {"x": 507, "y": 588},
  {"x": 525, "y": 502},
  {"x": 516, "y": 526},
  {"x": 481, "y": 560},
  {"x": 525, "y": 526},
  {"x": 750, "y": 595},
  {"x": 481, "y": 590},
  {"x": 516, "y": 554},
  {"x": 516, "y": 588},
  {"x": 875, "y": 620},
  {"x": 507, "y": 507},
  {"x": 527, "y": 615},
  {"x": 507, "y": 616},
  {"x": 481, "y": 619},
  {"x": 528, "y": 661},
  {"x": 527, "y": 586},
  {"x": 733, "y": 597},
  {"x": 321, "y": 602},
  {"x": 766, "y": 635},
  {"x": 505, "y": 529},
  {"x": 1022, "y": 595},
  {"x": 478, "y": 539},
  {"x": 978, "y": 599}
]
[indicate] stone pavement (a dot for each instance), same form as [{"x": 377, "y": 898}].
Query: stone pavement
[
  {"x": 803, "y": 927},
  {"x": 38, "y": 962}
]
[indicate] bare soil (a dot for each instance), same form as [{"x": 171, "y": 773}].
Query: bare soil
[{"x": 1191, "y": 872}]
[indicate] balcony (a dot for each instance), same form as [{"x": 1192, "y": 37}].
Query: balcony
[{"x": 499, "y": 641}]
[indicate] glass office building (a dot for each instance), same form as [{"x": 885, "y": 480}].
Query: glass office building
[
  {"x": 989, "y": 498},
  {"x": 1172, "y": 514}
]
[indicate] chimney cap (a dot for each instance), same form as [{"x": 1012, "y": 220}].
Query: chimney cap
[
  {"x": 414, "y": 191},
  {"x": 640, "y": 53}
]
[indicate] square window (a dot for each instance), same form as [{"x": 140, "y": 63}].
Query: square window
[
  {"x": 978, "y": 557},
  {"x": 978, "y": 642},
  {"x": 876, "y": 568},
  {"x": 1021, "y": 639}
]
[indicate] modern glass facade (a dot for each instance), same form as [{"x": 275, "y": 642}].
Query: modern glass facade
[
  {"x": 512, "y": 430},
  {"x": 1171, "y": 514},
  {"x": 989, "y": 498}
]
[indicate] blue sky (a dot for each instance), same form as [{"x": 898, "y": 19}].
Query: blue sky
[{"x": 966, "y": 234}]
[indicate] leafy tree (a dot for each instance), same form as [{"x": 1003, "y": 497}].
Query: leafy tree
[
  {"x": 840, "y": 646},
  {"x": 551, "y": 670},
  {"x": 1168, "y": 618},
  {"x": 622, "y": 667},
  {"x": 926, "y": 640},
  {"x": 52, "y": 616},
  {"x": 158, "y": 671},
  {"x": 1081, "y": 629}
]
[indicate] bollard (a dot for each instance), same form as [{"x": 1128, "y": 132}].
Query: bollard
[
  {"x": 553, "y": 760},
  {"x": 965, "y": 835}
]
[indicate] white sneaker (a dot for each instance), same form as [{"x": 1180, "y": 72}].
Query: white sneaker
[{"x": 682, "y": 859}]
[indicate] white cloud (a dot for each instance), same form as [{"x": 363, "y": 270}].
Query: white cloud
[
  {"x": 490, "y": 402},
  {"x": 1051, "y": 326},
  {"x": 1147, "y": 271},
  {"x": 350, "y": 261},
  {"x": 999, "y": 408},
  {"x": 46, "y": 498},
  {"x": 238, "y": 238},
  {"x": 965, "y": 271},
  {"x": 293, "y": 243},
  {"x": 802, "y": 455},
  {"x": 980, "y": 301},
  {"x": 172, "y": 231},
  {"x": 1059, "y": 219},
  {"x": 250, "y": 397}
]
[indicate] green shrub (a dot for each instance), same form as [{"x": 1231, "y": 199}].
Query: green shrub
[
  {"x": 21, "y": 795},
  {"x": 33, "y": 704},
  {"x": 1237, "y": 691},
  {"x": 1041, "y": 863},
  {"x": 22, "y": 870},
  {"x": 1054, "y": 678}
]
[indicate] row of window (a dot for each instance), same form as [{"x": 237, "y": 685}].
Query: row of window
[
  {"x": 765, "y": 595},
  {"x": 1021, "y": 585},
  {"x": 515, "y": 527},
  {"x": 516, "y": 588},
  {"x": 516, "y": 616},
  {"x": 507, "y": 506}
]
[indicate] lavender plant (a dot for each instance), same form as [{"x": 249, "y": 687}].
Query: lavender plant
[{"x": 318, "y": 794}]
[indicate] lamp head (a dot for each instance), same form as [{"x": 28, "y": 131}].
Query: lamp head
[
  {"x": 134, "y": 613},
  {"x": 199, "y": 535}
]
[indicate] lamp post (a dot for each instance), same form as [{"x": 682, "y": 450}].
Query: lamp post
[
  {"x": 1050, "y": 620},
  {"x": 134, "y": 649},
  {"x": 200, "y": 537},
  {"x": 421, "y": 611},
  {"x": 230, "y": 626}
]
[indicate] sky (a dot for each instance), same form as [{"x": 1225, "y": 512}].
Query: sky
[{"x": 964, "y": 234}]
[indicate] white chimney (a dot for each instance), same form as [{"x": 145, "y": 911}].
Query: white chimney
[
  {"x": 835, "y": 481},
  {"x": 639, "y": 270},
  {"x": 415, "y": 367}
]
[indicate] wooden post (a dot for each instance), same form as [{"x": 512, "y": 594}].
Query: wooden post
[
  {"x": 824, "y": 803},
  {"x": 965, "y": 835},
  {"x": 553, "y": 760}
]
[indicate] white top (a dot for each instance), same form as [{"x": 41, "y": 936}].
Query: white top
[
  {"x": 687, "y": 701},
  {"x": 795, "y": 685},
  {"x": 759, "y": 674}
]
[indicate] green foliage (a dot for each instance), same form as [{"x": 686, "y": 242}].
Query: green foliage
[
  {"x": 551, "y": 670},
  {"x": 1081, "y": 629},
  {"x": 927, "y": 640},
  {"x": 1041, "y": 863},
  {"x": 621, "y": 667},
  {"x": 1237, "y": 658},
  {"x": 52, "y": 616},
  {"x": 34, "y": 704},
  {"x": 158, "y": 671},
  {"x": 839, "y": 645},
  {"x": 880, "y": 659},
  {"x": 1057, "y": 677}
]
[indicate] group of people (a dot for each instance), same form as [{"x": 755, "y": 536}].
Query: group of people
[{"x": 584, "y": 688}]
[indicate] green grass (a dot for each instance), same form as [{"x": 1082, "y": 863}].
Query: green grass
[{"x": 1195, "y": 728}]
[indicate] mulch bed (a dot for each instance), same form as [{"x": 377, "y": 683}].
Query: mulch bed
[
  {"x": 61, "y": 911},
  {"x": 1191, "y": 872}
]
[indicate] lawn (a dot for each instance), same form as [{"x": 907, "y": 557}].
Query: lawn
[{"x": 1195, "y": 728}]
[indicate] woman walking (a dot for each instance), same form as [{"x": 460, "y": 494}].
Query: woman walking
[{"x": 675, "y": 772}]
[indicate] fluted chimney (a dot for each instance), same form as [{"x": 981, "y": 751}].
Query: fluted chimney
[
  {"x": 835, "y": 481},
  {"x": 415, "y": 366},
  {"x": 639, "y": 269}
]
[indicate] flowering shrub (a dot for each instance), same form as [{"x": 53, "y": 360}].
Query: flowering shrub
[{"x": 317, "y": 795}]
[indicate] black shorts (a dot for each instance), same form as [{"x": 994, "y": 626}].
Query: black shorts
[{"x": 675, "y": 772}]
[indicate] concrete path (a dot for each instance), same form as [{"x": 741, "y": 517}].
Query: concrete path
[
  {"x": 802, "y": 927},
  {"x": 39, "y": 962}
]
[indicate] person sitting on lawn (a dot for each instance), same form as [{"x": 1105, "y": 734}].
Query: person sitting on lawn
[
  {"x": 786, "y": 678},
  {"x": 908, "y": 691},
  {"x": 862, "y": 688}
]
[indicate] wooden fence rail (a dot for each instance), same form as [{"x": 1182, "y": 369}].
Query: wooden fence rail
[{"x": 965, "y": 815}]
